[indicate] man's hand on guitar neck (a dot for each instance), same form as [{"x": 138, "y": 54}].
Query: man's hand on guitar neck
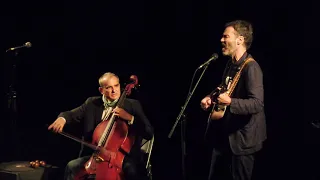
[{"x": 224, "y": 99}]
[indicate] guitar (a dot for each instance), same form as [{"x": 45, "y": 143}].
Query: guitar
[{"x": 218, "y": 110}]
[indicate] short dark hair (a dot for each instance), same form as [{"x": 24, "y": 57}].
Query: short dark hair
[{"x": 243, "y": 28}]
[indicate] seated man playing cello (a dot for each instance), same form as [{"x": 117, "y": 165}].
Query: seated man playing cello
[{"x": 93, "y": 112}]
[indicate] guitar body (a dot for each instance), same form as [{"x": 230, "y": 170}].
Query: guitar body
[{"x": 217, "y": 112}]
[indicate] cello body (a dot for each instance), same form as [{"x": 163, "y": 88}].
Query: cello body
[{"x": 106, "y": 162}]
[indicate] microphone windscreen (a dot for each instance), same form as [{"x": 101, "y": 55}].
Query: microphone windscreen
[
  {"x": 28, "y": 44},
  {"x": 215, "y": 56}
]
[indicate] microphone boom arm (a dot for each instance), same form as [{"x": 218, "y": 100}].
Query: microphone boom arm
[{"x": 27, "y": 45}]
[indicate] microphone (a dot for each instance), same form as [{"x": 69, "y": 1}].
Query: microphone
[
  {"x": 213, "y": 57},
  {"x": 27, "y": 45}
]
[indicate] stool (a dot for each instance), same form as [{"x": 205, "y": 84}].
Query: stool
[{"x": 21, "y": 170}]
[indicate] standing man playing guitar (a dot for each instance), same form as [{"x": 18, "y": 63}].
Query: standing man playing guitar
[
  {"x": 95, "y": 110},
  {"x": 237, "y": 127}
]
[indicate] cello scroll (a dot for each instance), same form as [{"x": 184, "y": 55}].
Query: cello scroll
[{"x": 133, "y": 85}]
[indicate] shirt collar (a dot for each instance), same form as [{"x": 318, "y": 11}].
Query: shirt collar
[
  {"x": 243, "y": 57},
  {"x": 108, "y": 103}
]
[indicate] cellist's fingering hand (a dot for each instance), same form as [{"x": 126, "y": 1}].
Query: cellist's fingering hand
[
  {"x": 57, "y": 125},
  {"x": 122, "y": 113}
]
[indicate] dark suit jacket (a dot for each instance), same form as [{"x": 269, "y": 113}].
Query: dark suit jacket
[
  {"x": 243, "y": 125},
  {"x": 89, "y": 114}
]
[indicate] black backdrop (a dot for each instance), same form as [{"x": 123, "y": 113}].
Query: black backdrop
[{"x": 160, "y": 42}]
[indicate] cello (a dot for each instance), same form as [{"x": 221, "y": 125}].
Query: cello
[{"x": 113, "y": 140}]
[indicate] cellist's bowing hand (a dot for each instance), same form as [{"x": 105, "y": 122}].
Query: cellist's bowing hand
[
  {"x": 57, "y": 125},
  {"x": 122, "y": 113}
]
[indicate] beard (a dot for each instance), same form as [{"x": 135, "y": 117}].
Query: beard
[{"x": 228, "y": 49}]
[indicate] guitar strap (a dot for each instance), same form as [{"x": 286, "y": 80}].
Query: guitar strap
[
  {"x": 238, "y": 75},
  {"x": 235, "y": 79}
]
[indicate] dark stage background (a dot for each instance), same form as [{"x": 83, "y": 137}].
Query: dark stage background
[{"x": 160, "y": 42}]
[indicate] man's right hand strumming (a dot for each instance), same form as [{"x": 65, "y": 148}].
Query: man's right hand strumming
[
  {"x": 57, "y": 125},
  {"x": 206, "y": 103}
]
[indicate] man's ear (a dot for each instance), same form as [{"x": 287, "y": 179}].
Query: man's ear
[
  {"x": 100, "y": 90},
  {"x": 240, "y": 40}
]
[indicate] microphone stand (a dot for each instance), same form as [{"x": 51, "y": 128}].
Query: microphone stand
[
  {"x": 183, "y": 121},
  {"x": 12, "y": 104},
  {"x": 12, "y": 94},
  {"x": 183, "y": 145}
]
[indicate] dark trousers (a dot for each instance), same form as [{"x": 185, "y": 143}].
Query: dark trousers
[
  {"x": 131, "y": 169},
  {"x": 227, "y": 166}
]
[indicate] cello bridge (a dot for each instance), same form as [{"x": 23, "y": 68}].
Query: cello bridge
[{"x": 98, "y": 159}]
